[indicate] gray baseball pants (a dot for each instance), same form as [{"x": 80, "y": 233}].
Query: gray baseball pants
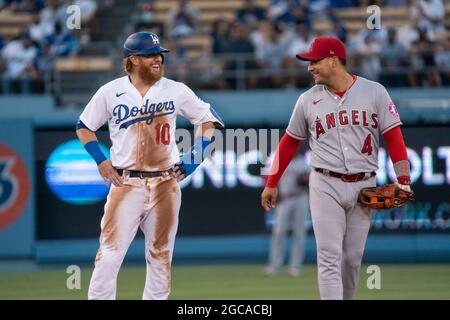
[{"x": 340, "y": 227}]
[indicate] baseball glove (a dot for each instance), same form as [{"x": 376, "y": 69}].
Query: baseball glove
[{"x": 384, "y": 197}]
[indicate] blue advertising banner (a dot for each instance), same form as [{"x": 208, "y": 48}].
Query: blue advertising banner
[{"x": 16, "y": 188}]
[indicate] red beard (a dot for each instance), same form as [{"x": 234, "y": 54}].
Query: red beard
[{"x": 148, "y": 75}]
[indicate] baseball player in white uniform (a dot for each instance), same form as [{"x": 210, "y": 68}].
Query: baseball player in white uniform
[
  {"x": 290, "y": 214},
  {"x": 145, "y": 165},
  {"x": 343, "y": 115}
]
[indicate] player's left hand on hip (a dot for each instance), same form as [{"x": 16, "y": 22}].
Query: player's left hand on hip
[{"x": 178, "y": 173}]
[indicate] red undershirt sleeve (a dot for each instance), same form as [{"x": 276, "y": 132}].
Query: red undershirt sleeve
[
  {"x": 395, "y": 144},
  {"x": 397, "y": 150},
  {"x": 286, "y": 150}
]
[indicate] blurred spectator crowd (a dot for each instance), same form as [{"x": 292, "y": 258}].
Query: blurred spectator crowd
[
  {"x": 259, "y": 45},
  {"x": 254, "y": 49},
  {"x": 25, "y": 60}
]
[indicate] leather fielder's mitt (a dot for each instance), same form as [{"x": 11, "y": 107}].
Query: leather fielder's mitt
[{"x": 384, "y": 197}]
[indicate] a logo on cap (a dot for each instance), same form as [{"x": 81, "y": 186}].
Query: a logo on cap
[{"x": 155, "y": 39}]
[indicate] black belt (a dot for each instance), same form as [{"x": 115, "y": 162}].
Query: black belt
[
  {"x": 145, "y": 174},
  {"x": 347, "y": 177}
]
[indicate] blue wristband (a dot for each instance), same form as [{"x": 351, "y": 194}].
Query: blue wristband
[
  {"x": 191, "y": 160},
  {"x": 93, "y": 148}
]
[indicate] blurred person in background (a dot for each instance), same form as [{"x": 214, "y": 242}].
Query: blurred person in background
[
  {"x": 219, "y": 35},
  {"x": 176, "y": 65},
  {"x": 269, "y": 45},
  {"x": 208, "y": 70},
  {"x": 422, "y": 60},
  {"x": 277, "y": 8},
  {"x": 147, "y": 20},
  {"x": 45, "y": 61},
  {"x": 430, "y": 15},
  {"x": 39, "y": 31},
  {"x": 250, "y": 12},
  {"x": 240, "y": 55},
  {"x": 63, "y": 43},
  {"x": 29, "y": 6},
  {"x": 19, "y": 57},
  {"x": 301, "y": 42},
  {"x": 54, "y": 12},
  {"x": 407, "y": 33},
  {"x": 368, "y": 46},
  {"x": 182, "y": 20},
  {"x": 339, "y": 29},
  {"x": 297, "y": 13},
  {"x": 88, "y": 9},
  {"x": 393, "y": 60},
  {"x": 290, "y": 215},
  {"x": 442, "y": 59}
]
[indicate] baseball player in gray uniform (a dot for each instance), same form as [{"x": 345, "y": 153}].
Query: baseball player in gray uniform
[
  {"x": 141, "y": 109},
  {"x": 290, "y": 214},
  {"x": 343, "y": 115}
]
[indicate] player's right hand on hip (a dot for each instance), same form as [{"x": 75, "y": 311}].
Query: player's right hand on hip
[
  {"x": 109, "y": 173},
  {"x": 269, "y": 198}
]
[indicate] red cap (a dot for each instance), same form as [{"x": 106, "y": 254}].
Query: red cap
[{"x": 323, "y": 47}]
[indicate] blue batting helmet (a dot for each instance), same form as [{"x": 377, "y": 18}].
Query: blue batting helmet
[{"x": 142, "y": 44}]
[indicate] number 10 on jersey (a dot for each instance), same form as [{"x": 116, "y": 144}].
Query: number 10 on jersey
[{"x": 162, "y": 133}]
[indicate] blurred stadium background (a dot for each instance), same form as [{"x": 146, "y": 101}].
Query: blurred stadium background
[{"x": 239, "y": 56}]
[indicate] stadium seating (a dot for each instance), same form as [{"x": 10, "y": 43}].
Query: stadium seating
[
  {"x": 354, "y": 19},
  {"x": 77, "y": 76},
  {"x": 11, "y": 24}
]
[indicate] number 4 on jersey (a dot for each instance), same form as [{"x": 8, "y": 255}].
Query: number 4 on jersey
[{"x": 367, "y": 146}]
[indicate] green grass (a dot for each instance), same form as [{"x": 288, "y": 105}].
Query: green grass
[{"x": 398, "y": 281}]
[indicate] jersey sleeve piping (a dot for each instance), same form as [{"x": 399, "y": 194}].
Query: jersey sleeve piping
[
  {"x": 391, "y": 127},
  {"x": 295, "y": 136},
  {"x": 88, "y": 125}
]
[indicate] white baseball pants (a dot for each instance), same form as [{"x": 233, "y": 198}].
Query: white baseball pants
[{"x": 153, "y": 205}]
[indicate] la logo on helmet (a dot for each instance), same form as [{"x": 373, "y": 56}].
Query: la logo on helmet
[{"x": 155, "y": 39}]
